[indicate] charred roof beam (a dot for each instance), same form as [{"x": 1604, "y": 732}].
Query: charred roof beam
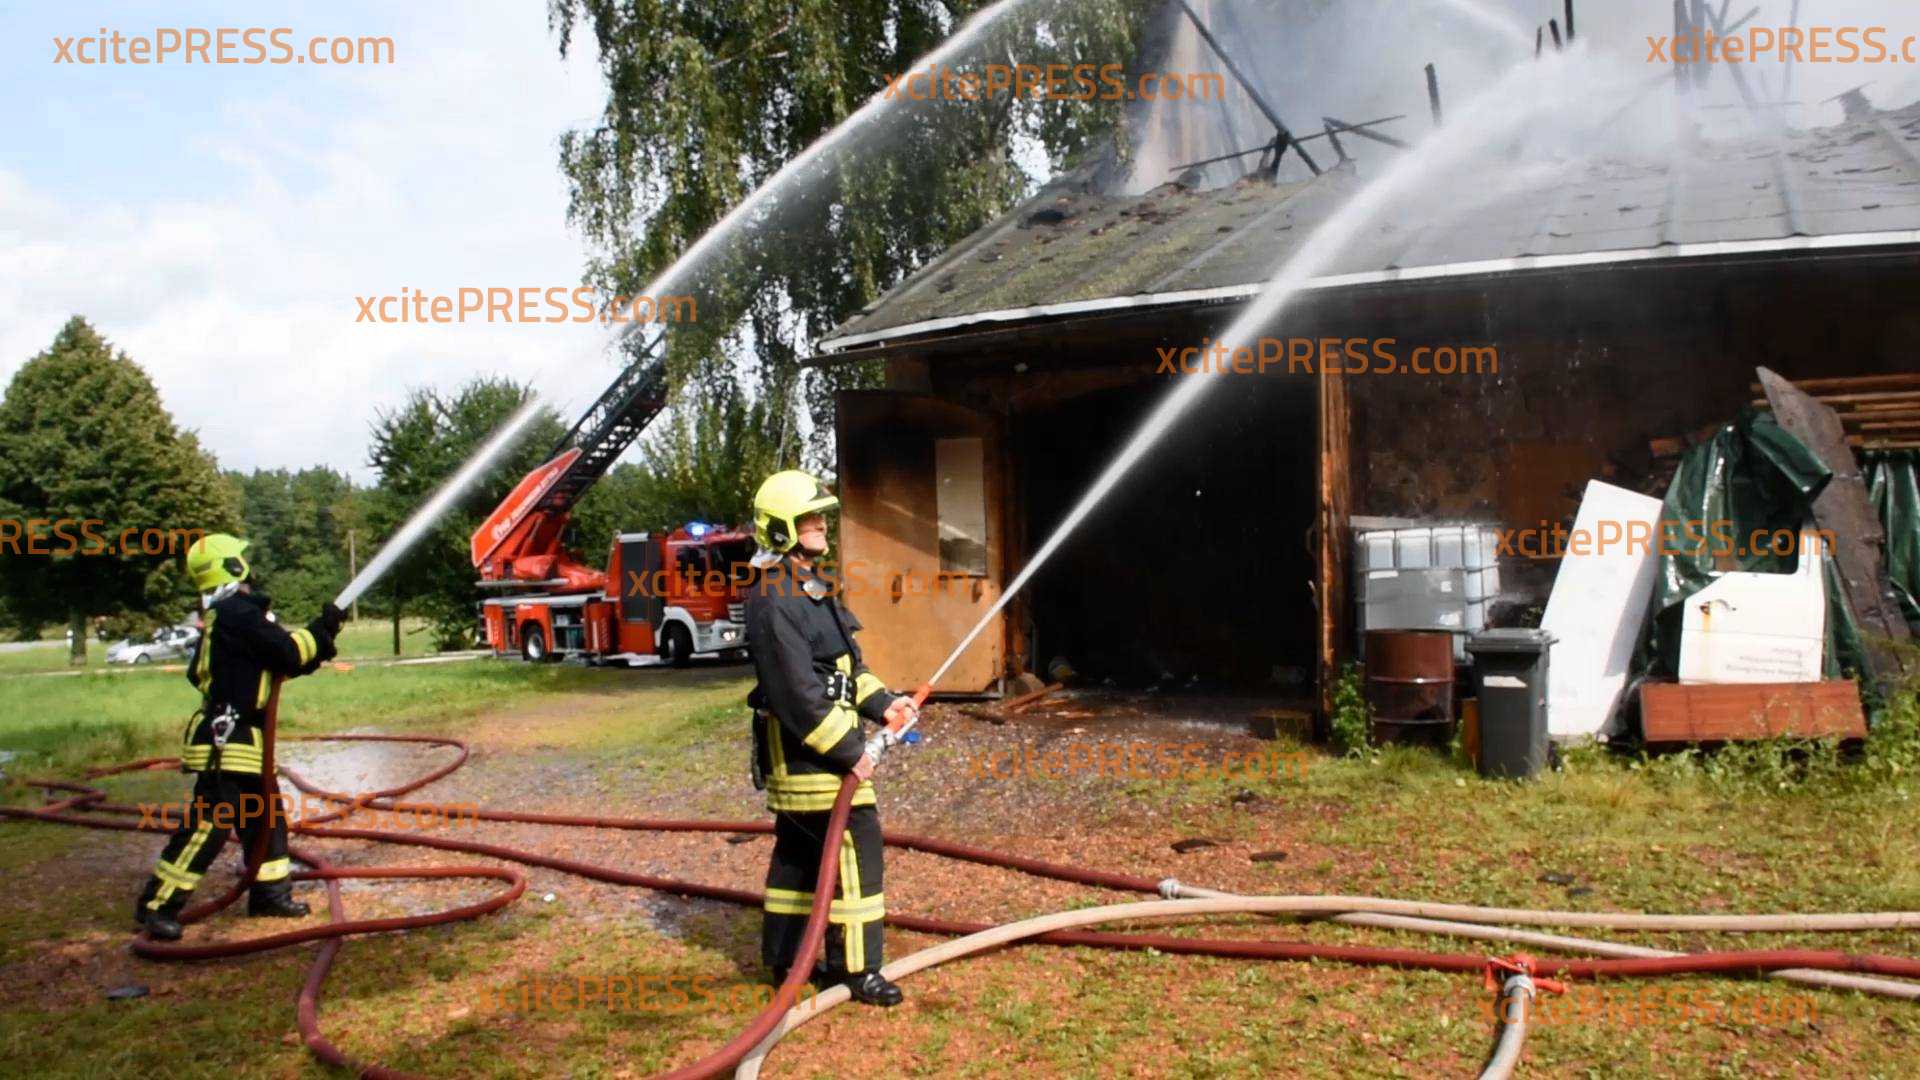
[
  {"x": 1285, "y": 136},
  {"x": 1335, "y": 125},
  {"x": 1339, "y": 128}
]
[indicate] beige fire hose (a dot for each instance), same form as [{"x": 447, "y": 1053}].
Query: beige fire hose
[
  {"x": 1376, "y": 911},
  {"x": 1832, "y": 980},
  {"x": 1516, "y": 1000}
]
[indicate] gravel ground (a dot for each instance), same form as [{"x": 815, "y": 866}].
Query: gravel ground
[{"x": 1086, "y": 814}]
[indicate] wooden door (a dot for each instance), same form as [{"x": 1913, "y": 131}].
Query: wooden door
[{"x": 921, "y": 527}]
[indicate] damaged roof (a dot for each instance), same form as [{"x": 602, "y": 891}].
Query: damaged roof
[{"x": 1068, "y": 251}]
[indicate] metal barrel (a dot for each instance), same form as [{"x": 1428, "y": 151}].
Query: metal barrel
[{"x": 1410, "y": 685}]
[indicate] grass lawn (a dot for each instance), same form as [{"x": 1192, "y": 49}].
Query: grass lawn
[
  {"x": 1746, "y": 832},
  {"x": 368, "y": 639}
]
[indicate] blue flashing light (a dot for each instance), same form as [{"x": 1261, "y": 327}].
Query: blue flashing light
[{"x": 696, "y": 530}]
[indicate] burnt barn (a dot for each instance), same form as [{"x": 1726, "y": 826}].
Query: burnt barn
[{"x": 1623, "y": 305}]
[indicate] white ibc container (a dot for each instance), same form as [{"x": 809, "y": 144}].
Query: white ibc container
[
  {"x": 1486, "y": 556},
  {"x": 1373, "y": 551},
  {"x": 1413, "y": 549}
]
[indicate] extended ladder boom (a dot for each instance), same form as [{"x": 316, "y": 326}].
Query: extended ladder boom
[{"x": 520, "y": 540}]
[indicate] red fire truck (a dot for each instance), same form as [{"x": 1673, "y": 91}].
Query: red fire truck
[{"x": 671, "y": 595}]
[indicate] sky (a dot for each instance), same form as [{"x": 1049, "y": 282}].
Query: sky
[{"x": 219, "y": 222}]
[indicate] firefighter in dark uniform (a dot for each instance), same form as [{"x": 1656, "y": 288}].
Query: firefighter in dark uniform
[
  {"x": 239, "y": 652},
  {"x": 812, "y": 695}
]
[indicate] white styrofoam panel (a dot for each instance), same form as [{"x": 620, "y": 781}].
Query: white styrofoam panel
[{"x": 1598, "y": 603}]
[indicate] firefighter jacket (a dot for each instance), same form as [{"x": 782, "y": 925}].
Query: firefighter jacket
[
  {"x": 239, "y": 652},
  {"x": 813, "y": 689}
]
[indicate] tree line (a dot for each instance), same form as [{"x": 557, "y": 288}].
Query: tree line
[{"x": 84, "y": 437}]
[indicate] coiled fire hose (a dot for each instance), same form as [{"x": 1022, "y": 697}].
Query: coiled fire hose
[{"x": 1061, "y": 928}]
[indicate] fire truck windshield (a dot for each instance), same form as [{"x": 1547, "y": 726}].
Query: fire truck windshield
[{"x": 732, "y": 557}]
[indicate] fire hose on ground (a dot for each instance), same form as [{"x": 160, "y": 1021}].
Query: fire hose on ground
[{"x": 1828, "y": 968}]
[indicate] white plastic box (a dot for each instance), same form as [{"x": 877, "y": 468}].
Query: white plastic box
[{"x": 1758, "y": 628}]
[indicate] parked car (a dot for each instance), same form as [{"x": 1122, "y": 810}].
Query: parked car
[{"x": 167, "y": 643}]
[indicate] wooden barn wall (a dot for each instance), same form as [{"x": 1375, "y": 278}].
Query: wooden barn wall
[{"x": 1595, "y": 366}]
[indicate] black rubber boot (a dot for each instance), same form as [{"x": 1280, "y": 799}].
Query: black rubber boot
[
  {"x": 873, "y": 988},
  {"x": 275, "y": 901},
  {"x": 160, "y": 926}
]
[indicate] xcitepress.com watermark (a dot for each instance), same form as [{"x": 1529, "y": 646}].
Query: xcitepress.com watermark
[
  {"x": 1054, "y": 82},
  {"x": 527, "y": 304},
  {"x": 1327, "y": 356},
  {"x": 1807, "y": 45},
  {"x": 218, "y": 45},
  {"x": 90, "y": 536}
]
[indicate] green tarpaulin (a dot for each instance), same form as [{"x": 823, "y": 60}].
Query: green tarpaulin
[
  {"x": 1893, "y": 482},
  {"x": 1752, "y": 476}
]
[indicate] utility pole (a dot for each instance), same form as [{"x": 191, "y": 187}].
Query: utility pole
[{"x": 353, "y": 570}]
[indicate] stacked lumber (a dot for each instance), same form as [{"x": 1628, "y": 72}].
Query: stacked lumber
[{"x": 1878, "y": 412}]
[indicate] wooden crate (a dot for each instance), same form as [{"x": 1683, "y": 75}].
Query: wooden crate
[{"x": 1672, "y": 713}]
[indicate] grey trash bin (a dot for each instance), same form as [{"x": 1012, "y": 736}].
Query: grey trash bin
[{"x": 1510, "y": 675}]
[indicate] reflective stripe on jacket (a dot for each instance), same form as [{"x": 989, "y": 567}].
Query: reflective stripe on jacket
[
  {"x": 813, "y": 689},
  {"x": 239, "y": 652}
]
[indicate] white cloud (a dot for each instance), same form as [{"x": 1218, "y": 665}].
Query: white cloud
[{"x": 435, "y": 173}]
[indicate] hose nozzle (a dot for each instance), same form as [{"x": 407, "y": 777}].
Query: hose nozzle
[{"x": 896, "y": 731}]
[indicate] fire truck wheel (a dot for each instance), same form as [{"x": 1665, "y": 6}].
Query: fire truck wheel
[
  {"x": 676, "y": 645},
  {"x": 533, "y": 645}
]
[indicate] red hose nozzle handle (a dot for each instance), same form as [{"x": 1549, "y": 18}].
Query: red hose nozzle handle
[{"x": 919, "y": 698}]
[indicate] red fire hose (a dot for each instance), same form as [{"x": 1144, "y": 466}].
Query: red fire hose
[{"x": 92, "y": 800}]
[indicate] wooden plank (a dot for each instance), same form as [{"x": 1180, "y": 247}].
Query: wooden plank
[
  {"x": 1847, "y": 383},
  {"x": 1869, "y": 419},
  {"x": 1863, "y": 416},
  {"x": 1844, "y": 512},
  {"x": 1859, "y": 401},
  {"x": 1673, "y": 713},
  {"x": 1024, "y": 700},
  {"x": 1333, "y": 521},
  {"x": 1871, "y": 400}
]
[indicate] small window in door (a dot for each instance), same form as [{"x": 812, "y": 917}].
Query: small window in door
[{"x": 959, "y": 473}]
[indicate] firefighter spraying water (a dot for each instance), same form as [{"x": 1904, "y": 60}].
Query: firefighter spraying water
[
  {"x": 237, "y": 665},
  {"x": 812, "y": 694},
  {"x": 239, "y": 656}
]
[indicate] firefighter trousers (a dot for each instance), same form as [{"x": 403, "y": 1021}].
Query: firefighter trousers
[
  {"x": 855, "y": 935},
  {"x": 222, "y": 802}
]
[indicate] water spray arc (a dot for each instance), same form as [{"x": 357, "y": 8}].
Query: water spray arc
[
  {"x": 874, "y": 107},
  {"x": 437, "y": 505}
]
